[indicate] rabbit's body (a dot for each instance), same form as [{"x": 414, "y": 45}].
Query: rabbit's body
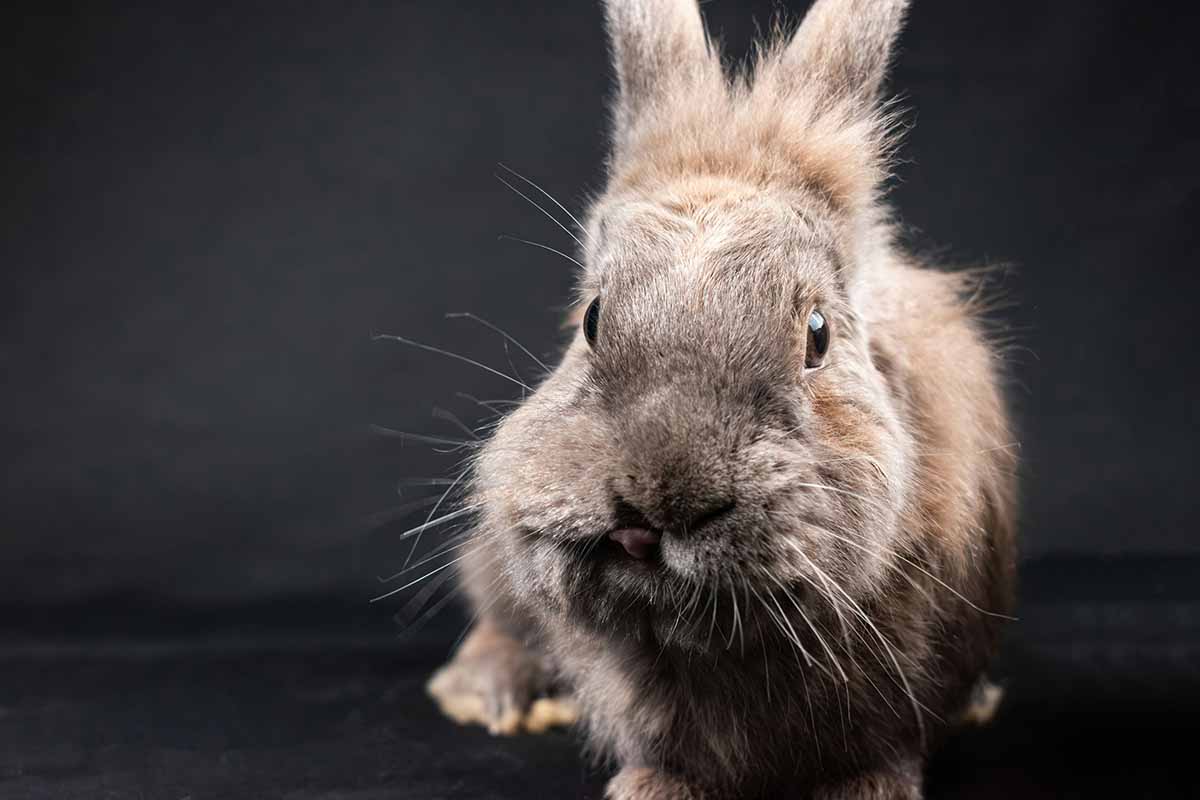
[{"x": 759, "y": 520}]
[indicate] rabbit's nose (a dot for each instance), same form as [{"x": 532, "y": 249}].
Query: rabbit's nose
[
  {"x": 678, "y": 510},
  {"x": 680, "y": 446},
  {"x": 688, "y": 515}
]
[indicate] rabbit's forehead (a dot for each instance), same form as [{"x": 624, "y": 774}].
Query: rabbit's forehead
[{"x": 705, "y": 237}]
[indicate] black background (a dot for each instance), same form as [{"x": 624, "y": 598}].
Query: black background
[{"x": 208, "y": 212}]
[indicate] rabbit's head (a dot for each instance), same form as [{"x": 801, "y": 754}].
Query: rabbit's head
[{"x": 721, "y": 427}]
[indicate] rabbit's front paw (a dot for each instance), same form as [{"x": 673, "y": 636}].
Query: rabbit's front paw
[
  {"x": 644, "y": 783},
  {"x": 497, "y": 682},
  {"x": 901, "y": 781}
]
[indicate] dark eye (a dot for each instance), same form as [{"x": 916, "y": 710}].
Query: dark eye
[
  {"x": 818, "y": 340},
  {"x": 591, "y": 322}
]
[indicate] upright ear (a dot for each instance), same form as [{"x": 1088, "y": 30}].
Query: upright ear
[
  {"x": 842, "y": 49},
  {"x": 660, "y": 50}
]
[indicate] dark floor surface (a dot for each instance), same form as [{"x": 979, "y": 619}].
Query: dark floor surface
[{"x": 1102, "y": 672}]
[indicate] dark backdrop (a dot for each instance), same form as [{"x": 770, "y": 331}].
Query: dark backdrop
[{"x": 209, "y": 212}]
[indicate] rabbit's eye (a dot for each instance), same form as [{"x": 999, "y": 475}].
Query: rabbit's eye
[
  {"x": 591, "y": 322},
  {"x": 818, "y": 339}
]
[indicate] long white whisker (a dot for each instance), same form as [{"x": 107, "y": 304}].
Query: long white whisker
[
  {"x": 712, "y": 625},
  {"x": 531, "y": 243},
  {"x": 547, "y": 195},
  {"x": 479, "y": 612},
  {"x": 846, "y": 492},
  {"x": 433, "y": 512},
  {"x": 820, "y": 639},
  {"x": 381, "y": 518},
  {"x": 448, "y": 416},
  {"x": 434, "y": 556},
  {"x": 462, "y": 512},
  {"x": 791, "y": 632},
  {"x": 890, "y": 552},
  {"x": 490, "y": 405},
  {"x": 857, "y": 609},
  {"x": 418, "y": 580},
  {"x": 499, "y": 330},
  {"x": 826, "y": 580},
  {"x": 419, "y": 622},
  {"x": 448, "y": 354},
  {"x": 423, "y": 482},
  {"x": 736, "y": 615},
  {"x": 410, "y": 609},
  {"x": 871, "y": 460},
  {"x": 549, "y": 216},
  {"x": 383, "y": 430}
]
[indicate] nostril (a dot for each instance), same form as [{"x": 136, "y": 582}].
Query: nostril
[
  {"x": 627, "y": 515},
  {"x": 677, "y": 514},
  {"x": 712, "y": 515}
]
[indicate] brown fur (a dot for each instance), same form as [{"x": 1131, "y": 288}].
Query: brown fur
[{"x": 837, "y": 542}]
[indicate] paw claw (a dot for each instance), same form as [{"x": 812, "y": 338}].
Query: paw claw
[
  {"x": 551, "y": 712},
  {"x": 466, "y": 708}
]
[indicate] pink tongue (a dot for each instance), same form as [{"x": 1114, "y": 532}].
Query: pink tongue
[{"x": 638, "y": 542}]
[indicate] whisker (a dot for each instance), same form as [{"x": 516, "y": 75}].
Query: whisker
[
  {"x": 547, "y": 195},
  {"x": 495, "y": 596},
  {"x": 681, "y": 612},
  {"x": 462, "y": 512},
  {"x": 414, "y": 582},
  {"x": 531, "y": 243},
  {"x": 694, "y": 604},
  {"x": 452, "y": 418},
  {"x": 549, "y": 216},
  {"x": 713, "y": 624},
  {"x": 848, "y": 493},
  {"x": 834, "y": 602},
  {"x": 424, "y": 482},
  {"x": 381, "y": 518},
  {"x": 916, "y": 566},
  {"x": 887, "y": 646},
  {"x": 497, "y": 329},
  {"x": 419, "y": 623},
  {"x": 448, "y": 354},
  {"x": 789, "y": 632},
  {"x": 423, "y": 438},
  {"x": 845, "y": 459},
  {"x": 807, "y": 621},
  {"x": 418, "y": 601},
  {"x": 490, "y": 405},
  {"x": 736, "y": 615},
  {"x": 434, "y": 555}
]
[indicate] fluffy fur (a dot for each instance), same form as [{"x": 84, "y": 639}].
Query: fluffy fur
[{"x": 837, "y": 542}]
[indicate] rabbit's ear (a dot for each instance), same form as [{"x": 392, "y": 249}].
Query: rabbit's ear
[
  {"x": 660, "y": 50},
  {"x": 842, "y": 48}
]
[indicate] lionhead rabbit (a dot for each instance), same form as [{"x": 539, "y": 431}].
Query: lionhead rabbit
[{"x": 757, "y": 525}]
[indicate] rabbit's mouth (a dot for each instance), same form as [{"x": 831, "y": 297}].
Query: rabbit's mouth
[
  {"x": 633, "y": 582},
  {"x": 630, "y": 554},
  {"x": 641, "y": 544}
]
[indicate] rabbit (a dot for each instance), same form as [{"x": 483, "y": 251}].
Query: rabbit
[{"x": 756, "y": 530}]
